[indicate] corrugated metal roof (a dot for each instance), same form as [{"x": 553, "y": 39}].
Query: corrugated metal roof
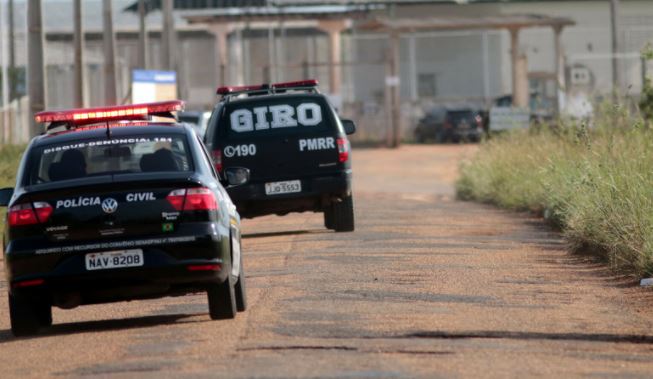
[
  {"x": 403, "y": 25},
  {"x": 314, "y": 12}
]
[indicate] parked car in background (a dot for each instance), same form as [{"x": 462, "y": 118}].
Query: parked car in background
[
  {"x": 450, "y": 125},
  {"x": 197, "y": 119}
]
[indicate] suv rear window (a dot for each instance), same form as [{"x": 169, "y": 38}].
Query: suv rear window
[
  {"x": 120, "y": 155},
  {"x": 279, "y": 115}
]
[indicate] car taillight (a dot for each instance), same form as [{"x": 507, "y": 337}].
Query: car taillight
[
  {"x": 26, "y": 214},
  {"x": 217, "y": 160},
  {"x": 343, "y": 149},
  {"x": 200, "y": 199},
  {"x": 176, "y": 199},
  {"x": 193, "y": 199}
]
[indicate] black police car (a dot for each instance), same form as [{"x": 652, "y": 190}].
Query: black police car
[
  {"x": 109, "y": 206},
  {"x": 295, "y": 146}
]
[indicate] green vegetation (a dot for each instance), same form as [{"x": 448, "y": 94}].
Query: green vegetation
[
  {"x": 595, "y": 183},
  {"x": 9, "y": 158}
]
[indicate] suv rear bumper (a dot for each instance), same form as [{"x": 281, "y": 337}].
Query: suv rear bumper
[{"x": 317, "y": 192}]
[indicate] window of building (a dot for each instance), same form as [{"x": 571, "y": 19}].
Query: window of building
[{"x": 427, "y": 85}]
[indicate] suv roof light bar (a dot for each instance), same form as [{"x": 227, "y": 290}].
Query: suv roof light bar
[
  {"x": 73, "y": 118},
  {"x": 309, "y": 84}
]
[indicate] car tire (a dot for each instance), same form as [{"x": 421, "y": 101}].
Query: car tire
[
  {"x": 24, "y": 316},
  {"x": 44, "y": 314},
  {"x": 222, "y": 300},
  {"x": 343, "y": 215},
  {"x": 328, "y": 217},
  {"x": 241, "y": 296}
]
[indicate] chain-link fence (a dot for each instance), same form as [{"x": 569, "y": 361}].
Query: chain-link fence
[{"x": 13, "y": 121}]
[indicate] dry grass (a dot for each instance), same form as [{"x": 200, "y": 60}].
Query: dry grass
[{"x": 595, "y": 183}]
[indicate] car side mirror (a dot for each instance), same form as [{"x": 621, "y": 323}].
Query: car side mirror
[
  {"x": 350, "y": 127},
  {"x": 5, "y": 196},
  {"x": 237, "y": 176}
]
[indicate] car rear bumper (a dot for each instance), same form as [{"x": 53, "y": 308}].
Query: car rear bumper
[
  {"x": 251, "y": 199},
  {"x": 71, "y": 289},
  {"x": 165, "y": 268}
]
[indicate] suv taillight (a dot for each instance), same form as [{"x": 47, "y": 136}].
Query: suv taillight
[
  {"x": 343, "y": 149},
  {"x": 217, "y": 160},
  {"x": 193, "y": 199},
  {"x": 26, "y": 214}
]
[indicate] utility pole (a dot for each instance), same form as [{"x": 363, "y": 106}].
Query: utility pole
[
  {"x": 4, "y": 62},
  {"x": 168, "y": 35},
  {"x": 142, "y": 35},
  {"x": 36, "y": 67},
  {"x": 392, "y": 89},
  {"x": 614, "y": 22},
  {"x": 110, "y": 97},
  {"x": 12, "y": 53},
  {"x": 78, "y": 42}
]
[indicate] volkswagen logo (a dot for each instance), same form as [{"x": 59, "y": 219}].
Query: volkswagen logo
[{"x": 109, "y": 205}]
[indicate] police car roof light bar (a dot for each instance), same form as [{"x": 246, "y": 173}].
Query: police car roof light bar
[
  {"x": 81, "y": 116},
  {"x": 239, "y": 89},
  {"x": 297, "y": 84},
  {"x": 236, "y": 90}
]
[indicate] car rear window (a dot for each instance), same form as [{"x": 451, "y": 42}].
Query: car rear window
[
  {"x": 118, "y": 155},
  {"x": 461, "y": 115},
  {"x": 283, "y": 115}
]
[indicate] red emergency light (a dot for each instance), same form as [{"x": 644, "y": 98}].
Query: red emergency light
[
  {"x": 121, "y": 112},
  {"x": 236, "y": 89},
  {"x": 297, "y": 84},
  {"x": 262, "y": 87}
]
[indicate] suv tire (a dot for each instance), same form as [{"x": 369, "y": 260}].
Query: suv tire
[
  {"x": 328, "y": 217},
  {"x": 343, "y": 215},
  {"x": 222, "y": 300},
  {"x": 24, "y": 316}
]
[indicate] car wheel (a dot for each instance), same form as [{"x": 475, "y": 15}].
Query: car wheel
[
  {"x": 44, "y": 314},
  {"x": 222, "y": 300},
  {"x": 343, "y": 215},
  {"x": 241, "y": 296},
  {"x": 328, "y": 217},
  {"x": 24, "y": 316}
]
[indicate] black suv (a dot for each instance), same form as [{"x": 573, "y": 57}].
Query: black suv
[
  {"x": 293, "y": 143},
  {"x": 109, "y": 206},
  {"x": 450, "y": 124}
]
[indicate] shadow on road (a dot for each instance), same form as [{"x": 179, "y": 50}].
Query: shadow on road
[
  {"x": 516, "y": 335},
  {"x": 284, "y": 233},
  {"x": 104, "y": 325}
]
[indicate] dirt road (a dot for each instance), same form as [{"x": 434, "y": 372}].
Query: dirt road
[{"x": 426, "y": 287}]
